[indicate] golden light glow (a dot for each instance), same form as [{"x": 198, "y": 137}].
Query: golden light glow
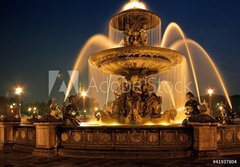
[
  {"x": 164, "y": 123},
  {"x": 168, "y": 32},
  {"x": 197, "y": 45},
  {"x": 29, "y": 109},
  {"x": 149, "y": 123},
  {"x": 18, "y": 91},
  {"x": 11, "y": 106},
  {"x": 95, "y": 108},
  {"x": 177, "y": 122},
  {"x": 181, "y": 109},
  {"x": 96, "y": 40},
  {"x": 83, "y": 94},
  {"x": 215, "y": 69},
  {"x": 134, "y": 4},
  {"x": 210, "y": 91},
  {"x": 221, "y": 108}
]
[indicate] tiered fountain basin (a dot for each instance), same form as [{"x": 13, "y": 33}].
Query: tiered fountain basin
[{"x": 136, "y": 60}]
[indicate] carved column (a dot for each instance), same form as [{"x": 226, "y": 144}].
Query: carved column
[
  {"x": 204, "y": 140},
  {"x": 6, "y": 135},
  {"x": 46, "y": 138}
]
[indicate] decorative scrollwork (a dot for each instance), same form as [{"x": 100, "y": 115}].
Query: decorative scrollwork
[
  {"x": 105, "y": 138},
  {"x": 121, "y": 138},
  {"x": 136, "y": 137}
]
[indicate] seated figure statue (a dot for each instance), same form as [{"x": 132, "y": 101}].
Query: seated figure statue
[
  {"x": 191, "y": 107},
  {"x": 203, "y": 116},
  {"x": 71, "y": 113}
]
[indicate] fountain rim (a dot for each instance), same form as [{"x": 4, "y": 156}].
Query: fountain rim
[
  {"x": 134, "y": 10},
  {"x": 170, "y": 57}
]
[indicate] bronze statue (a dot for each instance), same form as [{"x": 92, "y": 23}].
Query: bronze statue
[{"x": 72, "y": 112}]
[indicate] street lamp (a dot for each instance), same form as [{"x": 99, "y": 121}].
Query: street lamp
[
  {"x": 18, "y": 92},
  {"x": 210, "y": 93}
]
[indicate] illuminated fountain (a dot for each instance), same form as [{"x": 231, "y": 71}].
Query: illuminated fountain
[
  {"x": 141, "y": 121},
  {"x": 136, "y": 51}
]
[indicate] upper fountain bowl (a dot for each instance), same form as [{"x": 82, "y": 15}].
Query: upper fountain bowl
[
  {"x": 136, "y": 60},
  {"x": 135, "y": 19}
]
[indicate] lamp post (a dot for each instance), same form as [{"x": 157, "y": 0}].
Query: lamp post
[
  {"x": 18, "y": 92},
  {"x": 210, "y": 93}
]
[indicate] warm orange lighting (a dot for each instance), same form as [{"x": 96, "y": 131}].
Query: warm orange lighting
[
  {"x": 210, "y": 91},
  {"x": 221, "y": 108},
  {"x": 95, "y": 108},
  {"x": 83, "y": 94},
  {"x": 168, "y": 32},
  {"x": 164, "y": 124},
  {"x": 18, "y": 91},
  {"x": 96, "y": 40},
  {"x": 197, "y": 45},
  {"x": 149, "y": 124},
  {"x": 134, "y": 4}
]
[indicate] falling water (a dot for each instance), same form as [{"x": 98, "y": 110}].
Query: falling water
[
  {"x": 174, "y": 38},
  {"x": 94, "y": 44},
  {"x": 165, "y": 90},
  {"x": 206, "y": 75},
  {"x": 170, "y": 35},
  {"x": 178, "y": 81}
]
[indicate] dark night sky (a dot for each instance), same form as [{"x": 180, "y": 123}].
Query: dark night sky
[{"x": 41, "y": 35}]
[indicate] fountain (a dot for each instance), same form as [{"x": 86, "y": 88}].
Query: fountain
[
  {"x": 134, "y": 51},
  {"x": 136, "y": 61},
  {"x": 142, "y": 121}
]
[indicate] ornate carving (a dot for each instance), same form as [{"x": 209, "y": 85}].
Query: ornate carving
[
  {"x": 153, "y": 138},
  {"x": 76, "y": 136},
  {"x": 92, "y": 137},
  {"x": 168, "y": 137},
  {"x": 183, "y": 137},
  {"x": 64, "y": 137},
  {"x": 121, "y": 138},
  {"x": 105, "y": 138},
  {"x": 219, "y": 136},
  {"x": 89, "y": 137},
  {"x": 229, "y": 136},
  {"x": 23, "y": 134},
  {"x": 137, "y": 137},
  {"x": 136, "y": 60}
]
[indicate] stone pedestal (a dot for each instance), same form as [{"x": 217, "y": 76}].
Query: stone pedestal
[
  {"x": 204, "y": 140},
  {"x": 6, "y": 135},
  {"x": 46, "y": 138}
]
